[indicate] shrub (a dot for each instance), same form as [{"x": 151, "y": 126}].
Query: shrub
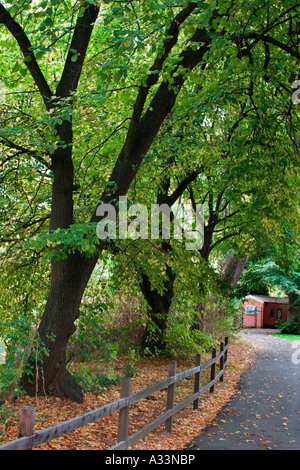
[
  {"x": 183, "y": 341},
  {"x": 95, "y": 381},
  {"x": 23, "y": 346},
  {"x": 290, "y": 328}
]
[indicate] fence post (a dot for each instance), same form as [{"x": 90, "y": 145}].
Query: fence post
[
  {"x": 171, "y": 396},
  {"x": 226, "y": 352},
  {"x": 213, "y": 369},
  {"x": 222, "y": 361},
  {"x": 27, "y": 418},
  {"x": 197, "y": 382},
  {"x": 124, "y": 412}
]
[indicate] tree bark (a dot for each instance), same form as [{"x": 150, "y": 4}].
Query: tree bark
[
  {"x": 68, "y": 281},
  {"x": 231, "y": 271},
  {"x": 294, "y": 307},
  {"x": 160, "y": 303},
  {"x": 69, "y": 276},
  {"x": 232, "y": 268},
  {"x": 159, "y": 307}
]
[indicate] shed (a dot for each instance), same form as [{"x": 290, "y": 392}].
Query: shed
[{"x": 262, "y": 311}]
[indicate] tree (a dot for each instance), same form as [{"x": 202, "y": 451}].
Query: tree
[
  {"x": 175, "y": 42},
  {"x": 236, "y": 202},
  {"x": 251, "y": 283},
  {"x": 69, "y": 276}
]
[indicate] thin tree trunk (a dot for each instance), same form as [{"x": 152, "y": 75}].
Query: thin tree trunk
[
  {"x": 159, "y": 307},
  {"x": 231, "y": 271},
  {"x": 294, "y": 307},
  {"x": 160, "y": 303},
  {"x": 232, "y": 268}
]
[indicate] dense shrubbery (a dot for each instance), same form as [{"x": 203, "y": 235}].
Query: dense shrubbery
[{"x": 291, "y": 328}]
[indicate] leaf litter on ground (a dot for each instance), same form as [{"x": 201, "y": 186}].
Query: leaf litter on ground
[{"x": 102, "y": 434}]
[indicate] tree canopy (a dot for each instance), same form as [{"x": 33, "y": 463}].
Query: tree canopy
[{"x": 161, "y": 102}]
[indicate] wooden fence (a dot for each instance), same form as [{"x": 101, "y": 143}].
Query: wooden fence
[{"x": 29, "y": 439}]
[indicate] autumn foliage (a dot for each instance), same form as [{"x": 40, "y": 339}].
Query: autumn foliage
[{"x": 101, "y": 434}]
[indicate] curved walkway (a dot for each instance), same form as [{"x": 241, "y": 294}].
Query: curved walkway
[{"x": 265, "y": 413}]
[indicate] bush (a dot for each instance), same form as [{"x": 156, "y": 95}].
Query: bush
[
  {"x": 290, "y": 328},
  {"x": 23, "y": 346},
  {"x": 181, "y": 340},
  {"x": 95, "y": 381}
]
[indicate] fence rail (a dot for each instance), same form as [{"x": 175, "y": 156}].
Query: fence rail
[{"x": 29, "y": 439}]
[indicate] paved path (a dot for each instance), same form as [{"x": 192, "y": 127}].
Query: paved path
[{"x": 265, "y": 413}]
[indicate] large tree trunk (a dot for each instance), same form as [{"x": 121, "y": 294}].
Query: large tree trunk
[
  {"x": 159, "y": 307},
  {"x": 69, "y": 279}
]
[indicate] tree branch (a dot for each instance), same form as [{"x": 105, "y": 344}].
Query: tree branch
[
  {"x": 232, "y": 214},
  {"x": 169, "y": 42},
  {"x": 19, "y": 34},
  {"x": 221, "y": 240},
  {"x": 182, "y": 186},
  {"x": 22, "y": 150},
  {"x": 80, "y": 41},
  {"x": 275, "y": 42},
  {"x": 149, "y": 125}
]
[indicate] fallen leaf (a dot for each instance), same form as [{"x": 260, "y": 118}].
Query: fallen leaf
[{"x": 188, "y": 423}]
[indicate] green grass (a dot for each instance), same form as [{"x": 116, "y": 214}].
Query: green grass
[{"x": 286, "y": 336}]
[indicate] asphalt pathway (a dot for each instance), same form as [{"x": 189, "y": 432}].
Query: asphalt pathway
[{"x": 265, "y": 413}]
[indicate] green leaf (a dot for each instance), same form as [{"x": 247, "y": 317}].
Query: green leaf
[{"x": 48, "y": 21}]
